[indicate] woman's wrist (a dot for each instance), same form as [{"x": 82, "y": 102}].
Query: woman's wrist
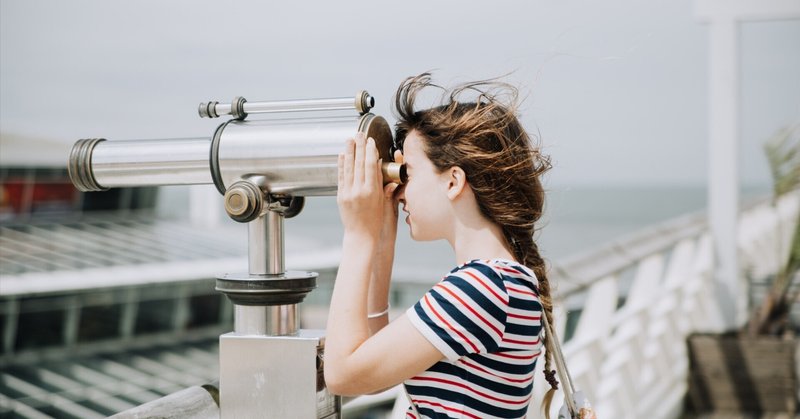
[
  {"x": 380, "y": 313},
  {"x": 359, "y": 239}
]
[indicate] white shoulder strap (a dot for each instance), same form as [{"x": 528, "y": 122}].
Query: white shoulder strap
[
  {"x": 567, "y": 385},
  {"x": 411, "y": 402}
]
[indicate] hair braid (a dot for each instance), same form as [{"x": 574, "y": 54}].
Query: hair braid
[{"x": 529, "y": 254}]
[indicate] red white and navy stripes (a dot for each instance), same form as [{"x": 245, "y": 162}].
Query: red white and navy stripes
[{"x": 485, "y": 318}]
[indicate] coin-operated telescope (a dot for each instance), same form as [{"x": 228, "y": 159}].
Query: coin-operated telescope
[{"x": 264, "y": 168}]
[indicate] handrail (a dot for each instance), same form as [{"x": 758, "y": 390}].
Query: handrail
[
  {"x": 578, "y": 272},
  {"x": 628, "y": 352}
]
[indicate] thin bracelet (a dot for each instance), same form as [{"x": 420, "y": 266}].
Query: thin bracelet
[{"x": 376, "y": 315}]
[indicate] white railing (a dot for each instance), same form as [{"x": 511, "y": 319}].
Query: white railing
[
  {"x": 639, "y": 298},
  {"x": 636, "y": 300}
]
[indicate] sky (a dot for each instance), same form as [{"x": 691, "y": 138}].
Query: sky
[{"x": 615, "y": 91}]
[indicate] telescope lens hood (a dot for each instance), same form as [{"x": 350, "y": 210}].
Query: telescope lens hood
[{"x": 80, "y": 165}]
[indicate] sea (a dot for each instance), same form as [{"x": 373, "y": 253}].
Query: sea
[{"x": 576, "y": 219}]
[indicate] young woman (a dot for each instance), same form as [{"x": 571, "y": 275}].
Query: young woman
[{"x": 468, "y": 348}]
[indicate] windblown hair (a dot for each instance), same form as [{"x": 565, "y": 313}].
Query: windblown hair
[{"x": 503, "y": 167}]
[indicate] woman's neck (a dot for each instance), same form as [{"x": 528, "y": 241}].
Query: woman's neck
[{"x": 479, "y": 240}]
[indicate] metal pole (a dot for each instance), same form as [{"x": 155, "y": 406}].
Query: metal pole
[
  {"x": 266, "y": 257},
  {"x": 266, "y": 244},
  {"x": 257, "y": 245},
  {"x": 274, "y": 244},
  {"x": 723, "y": 189},
  {"x": 265, "y": 320}
]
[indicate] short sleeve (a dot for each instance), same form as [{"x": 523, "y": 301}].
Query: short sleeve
[{"x": 465, "y": 313}]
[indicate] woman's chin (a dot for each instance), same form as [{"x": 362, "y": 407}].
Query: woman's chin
[
  {"x": 411, "y": 234},
  {"x": 420, "y": 238}
]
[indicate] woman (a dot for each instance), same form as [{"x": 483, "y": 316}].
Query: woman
[{"x": 469, "y": 346}]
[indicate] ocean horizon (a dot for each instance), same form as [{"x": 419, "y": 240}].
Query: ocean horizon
[{"x": 576, "y": 219}]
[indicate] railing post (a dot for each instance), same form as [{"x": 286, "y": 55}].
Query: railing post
[{"x": 723, "y": 189}]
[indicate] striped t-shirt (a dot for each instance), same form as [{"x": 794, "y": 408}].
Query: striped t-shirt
[{"x": 485, "y": 317}]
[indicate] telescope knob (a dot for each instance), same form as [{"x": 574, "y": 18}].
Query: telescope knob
[{"x": 244, "y": 201}]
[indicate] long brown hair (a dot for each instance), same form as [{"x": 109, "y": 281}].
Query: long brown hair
[{"x": 503, "y": 167}]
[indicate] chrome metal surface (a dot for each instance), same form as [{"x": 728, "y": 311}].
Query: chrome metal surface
[
  {"x": 266, "y": 244},
  {"x": 279, "y": 320},
  {"x": 275, "y": 243},
  {"x": 80, "y": 165},
  {"x": 275, "y": 377},
  {"x": 292, "y": 157},
  {"x": 114, "y": 164},
  {"x": 239, "y": 108},
  {"x": 295, "y": 156}
]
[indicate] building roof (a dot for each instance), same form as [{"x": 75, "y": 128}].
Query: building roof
[
  {"x": 98, "y": 386},
  {"x": 128, "y": 249},
  {"x": 104, "y": 312}
]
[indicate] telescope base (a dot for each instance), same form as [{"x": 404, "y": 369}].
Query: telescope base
[{"x": 275, "y": 377}]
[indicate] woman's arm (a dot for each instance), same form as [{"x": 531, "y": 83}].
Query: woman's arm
[{"x": 356, "y": 362}]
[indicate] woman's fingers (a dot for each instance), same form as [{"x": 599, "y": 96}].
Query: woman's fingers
[
  {"x": 389, "y": 189},
  {"x": 358, "y": 170},
  {"x": 349, "y": 156},
  {"x": 340, "y": 171},
  {"x": 359, "y": 165},
  {"x": 398, "y": 156},
  {"x": 372, "y": 172}
]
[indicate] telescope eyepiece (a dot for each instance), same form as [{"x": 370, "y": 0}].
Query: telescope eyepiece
[{"x": 394, "y": 172}]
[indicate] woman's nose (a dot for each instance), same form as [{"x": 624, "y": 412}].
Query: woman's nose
[{"x": 401, "y": 193}]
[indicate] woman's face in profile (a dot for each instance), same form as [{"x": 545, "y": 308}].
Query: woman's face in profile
[{"x": 424, "y": 196}]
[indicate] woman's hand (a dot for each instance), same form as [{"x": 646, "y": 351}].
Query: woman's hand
[{"x": 360, "y": 193}]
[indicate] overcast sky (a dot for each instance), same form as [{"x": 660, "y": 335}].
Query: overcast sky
[{"x": 617, "y": 90}]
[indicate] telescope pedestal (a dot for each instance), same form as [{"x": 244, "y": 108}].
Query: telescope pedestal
[
  {"x": 274, "y": 377},
  {"x": 268, "y": 367}
]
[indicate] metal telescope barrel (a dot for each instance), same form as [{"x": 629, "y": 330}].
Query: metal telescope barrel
[
  {"x": 290, "y": 156},
  {"x": 96, "y": 164}
]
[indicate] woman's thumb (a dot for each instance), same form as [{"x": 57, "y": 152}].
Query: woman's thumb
[{"x": 388, "y": 190}]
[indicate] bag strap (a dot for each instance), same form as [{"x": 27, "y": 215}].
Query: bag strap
[
  {"x": 561, "y": 368},
  {"x": 411, "y": 402}
]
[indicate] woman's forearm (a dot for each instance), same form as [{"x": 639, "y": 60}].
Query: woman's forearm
[
  {"x": 379, "y": 284},
  {"x": 347, "y": 320},
  {"x": 380, "y": 280}
]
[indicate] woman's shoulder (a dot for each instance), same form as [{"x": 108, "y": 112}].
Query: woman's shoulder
[
  {"x": 503, "y": 265},
  {"x": 497, "y": 269}
]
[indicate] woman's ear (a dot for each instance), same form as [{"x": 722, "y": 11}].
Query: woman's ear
[{"x": 457, "y": 182}]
